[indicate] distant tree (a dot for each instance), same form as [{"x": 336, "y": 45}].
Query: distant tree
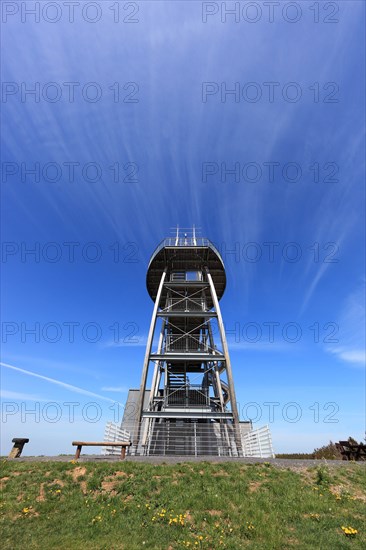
[
  {"x": 298, "y": 456},
  {"x": 329, "y": 452}
]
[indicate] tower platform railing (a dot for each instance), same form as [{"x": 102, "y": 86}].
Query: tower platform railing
[
  {"x": 188, "y": 241},
  {"x": 185, "y": 304},
  {"x": 188, "y": 396},
  {"x": 182, "y": 342}
]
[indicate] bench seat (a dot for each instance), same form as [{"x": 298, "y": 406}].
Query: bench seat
[{"x": 81, "y": 444}]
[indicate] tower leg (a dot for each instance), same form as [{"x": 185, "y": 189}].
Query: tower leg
[
  {"x": 156, "y": 377},
  {"x": 225, "y": 349},
  {"x": 140, "y": 404}
]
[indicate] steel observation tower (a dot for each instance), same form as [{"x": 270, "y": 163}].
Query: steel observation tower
[{"x": 190, "y": 408}]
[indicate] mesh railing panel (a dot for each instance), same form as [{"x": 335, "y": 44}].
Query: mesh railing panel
[
  {"x": 178, "y": 342},
  {"x": 187, "y": 397},
  {"x": 182, "y": 438}
]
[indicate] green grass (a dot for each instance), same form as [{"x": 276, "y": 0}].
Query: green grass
[{"x": 189, "y": 505}]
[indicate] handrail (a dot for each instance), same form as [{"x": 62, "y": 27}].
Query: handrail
[{"x": 181, "y": 242}]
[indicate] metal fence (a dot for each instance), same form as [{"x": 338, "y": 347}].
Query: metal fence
[
  {"x": 190, "y": 396},
  {"x": 185, "y": 241},
  {"x": 180, "y": 438},
  {"x": 186, "y": 304},
  {"x": 114, "y": 433},
  {"x": 258, "y": 443},
  {"x": 188, "y": 343}
]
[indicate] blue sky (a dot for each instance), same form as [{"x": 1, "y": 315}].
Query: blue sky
[{"x": 172, "y": 142}]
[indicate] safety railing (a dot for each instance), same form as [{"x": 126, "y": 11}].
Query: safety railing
[
  {"x": 189, "y": 396},
  {"x": 158, "y": 437},
  {"x": 185, "y": 304},
  {"x": 112, "y": 433},
  {"x": 186, "y": 343},
  {"x": 258, "y": 443},
  {"x": 183, "y": 241}
]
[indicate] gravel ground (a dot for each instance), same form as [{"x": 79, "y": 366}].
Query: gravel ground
[{"x": 279, "y": 462}]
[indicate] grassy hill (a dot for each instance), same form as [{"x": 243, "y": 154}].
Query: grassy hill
[{"x": 129, "y": 505}]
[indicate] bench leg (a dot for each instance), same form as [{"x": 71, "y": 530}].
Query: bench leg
[
  {"x": 16, "y": 450},
  {"x": 123, "y": 452},
  {"x": 78, "y": 451}
]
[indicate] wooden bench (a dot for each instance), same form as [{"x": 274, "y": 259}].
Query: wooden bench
[
  {"x": 351, "y": 451},
  {"x": 122, "y": 444},
  {"x": 19, "y": 443}
]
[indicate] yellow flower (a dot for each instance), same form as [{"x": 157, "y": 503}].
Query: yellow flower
[
  {"x": 26, "y": 510},
  {"x": 349, "y": 530}
]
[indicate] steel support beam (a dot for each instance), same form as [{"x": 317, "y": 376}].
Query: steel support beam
[
  {"x": 225, "y": 349},
  {"x": 156, "y": 376},
  {"x": 145, "y": 368},
  {"x": 171, "y": 357},
  {"x": 188, "y": 414},
  {"x": 198, "y": 313}
]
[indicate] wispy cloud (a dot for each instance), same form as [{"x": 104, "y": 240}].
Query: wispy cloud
[
  {"x": 70, "y": 387},
  {"x": 18, "y": 396},
  {"x": 116, "y": 389},
  {"x": 49, "y": 363},
  {"x": 259, "y": 346},
  {"x": 134, "y": 342},
  {"x": 351, "y": 346},
  {"x": 355, "y": 356},
  {"x": 329, "y": 225},
  {"x": 312, "y": 286}
]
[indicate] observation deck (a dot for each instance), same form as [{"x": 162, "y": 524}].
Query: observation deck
[{"x": 190, "y": 255}]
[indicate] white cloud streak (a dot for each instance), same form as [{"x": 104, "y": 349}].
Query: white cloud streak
[
  {"x": 355, "y": 356},
  {"x": 64, "y": 385},
  {"x": 19, "y": 396},
  {"x": 117, "y": 389},
  {"x": 351, "y": 348}
]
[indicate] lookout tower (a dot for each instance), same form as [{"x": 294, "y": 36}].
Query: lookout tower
[{"x": 191, "y": 406}]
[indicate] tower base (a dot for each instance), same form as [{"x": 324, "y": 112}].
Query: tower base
[{"x": 182, "y": 436}]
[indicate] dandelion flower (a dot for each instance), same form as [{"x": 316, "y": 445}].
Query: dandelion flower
[{"x": 349, "y": 531}]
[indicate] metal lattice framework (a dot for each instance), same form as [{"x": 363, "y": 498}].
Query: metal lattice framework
[{"x": 192, "y": 389}]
